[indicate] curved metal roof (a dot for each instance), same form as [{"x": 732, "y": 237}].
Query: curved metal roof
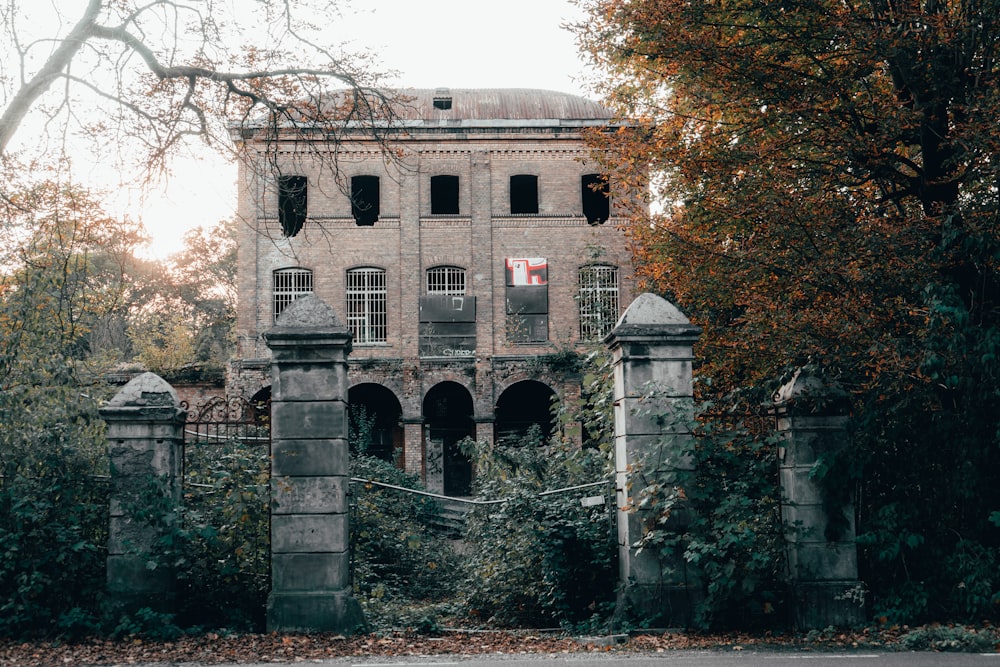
[{"x": 485, "y": 104}]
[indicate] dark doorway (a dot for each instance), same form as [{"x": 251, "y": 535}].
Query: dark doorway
[
  {"x": 448, "y": 419},
  {"x": 375, "y": 428},
  {"x": 521, "y": 406}
]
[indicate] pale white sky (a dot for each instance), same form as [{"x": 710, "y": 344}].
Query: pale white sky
[{"x": 432, "y": 43}]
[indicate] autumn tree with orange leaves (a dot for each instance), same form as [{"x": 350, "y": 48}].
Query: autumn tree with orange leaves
[{"x": 826, "y": 176}]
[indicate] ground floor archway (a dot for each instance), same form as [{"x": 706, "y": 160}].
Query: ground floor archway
[
  {"x": 448, "y": 419},
  {"x": 523, "y": 405},
  {"x": 375, "y": 425}
]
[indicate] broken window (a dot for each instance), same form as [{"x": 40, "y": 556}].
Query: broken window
[
  {"x": 365, "y": 199},
  {"x": 596, "y": 201},
  {"x": 598, "y": 298},
  {"x": 523, "y": 194},
  {"x": 366, "y": 305},
  {"x": 444, "y": 195},
  {"x": 288, "y": 285},
  {"x": 292, "y": 204}
]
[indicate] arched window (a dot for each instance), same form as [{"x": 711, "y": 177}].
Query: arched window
[
  {"x": 288, "y": 285},
  {"x": 448, "y": 280},
  {"x": 366, "y": 305},
  {"x": 598, "y": 297}
]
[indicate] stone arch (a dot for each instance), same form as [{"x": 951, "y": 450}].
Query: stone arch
[
  {"x": 448, "y": 419},
  {"x": 375, "y": 414},
  {"x": 522, "y": 405}
]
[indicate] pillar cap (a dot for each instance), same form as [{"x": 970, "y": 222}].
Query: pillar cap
[
  {"x": 809, "y": 391},
  {"x": 652, "y": 316},
  {"x": 308, "y": 318},
  {"x": 146, "y": 396}
]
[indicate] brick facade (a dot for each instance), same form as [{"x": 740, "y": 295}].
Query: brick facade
[{"x": 484, "y": 138}]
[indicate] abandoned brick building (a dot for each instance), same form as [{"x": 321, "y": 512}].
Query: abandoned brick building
[{"x": 465, "y": 267}]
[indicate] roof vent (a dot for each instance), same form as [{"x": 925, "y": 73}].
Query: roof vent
[{"x": 442, "y": 99}]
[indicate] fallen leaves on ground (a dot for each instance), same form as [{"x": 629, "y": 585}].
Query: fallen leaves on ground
[{"x": 213, "y": 648}]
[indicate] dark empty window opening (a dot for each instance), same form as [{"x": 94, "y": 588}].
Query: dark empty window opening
[
  {"x": 444, "y": 195},
  {"x": 365, "y": 199},
  {"x": 523, "y": 194},
  {"x": 292, "y": 204},
  {"x": 442, "y": 99},
  {"x": 596, "y": 203}
]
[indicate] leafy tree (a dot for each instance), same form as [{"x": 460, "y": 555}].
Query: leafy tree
[
  {"x": 827, "y": 173},
  {"x": 184, "y": 318},
  {"x": 61, "y": 278}
]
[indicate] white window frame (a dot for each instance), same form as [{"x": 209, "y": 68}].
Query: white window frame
[
  {"x": 449, "y": 280},
  {"x": 367, "y": 312},
  {"x": 287, "y": 285},
  {"x": 598, "y": 300}
]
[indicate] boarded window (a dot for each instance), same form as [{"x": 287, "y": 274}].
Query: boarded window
[
  {"x": 290, "y": 284},
  {"x": 596, "y": 203},
  {"x": 598, "y": 298},
  {"x": 444, "y": 195},
  {"x": 365, "y": 199},
  {"x": 527, "y": 299},
  {"x": 523, "y": 194},
  {"x": 292, "y": 204},
  {"x": 366, "y": 305}
]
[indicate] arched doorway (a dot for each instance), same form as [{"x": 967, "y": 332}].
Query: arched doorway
[
  {"x": 448, "y": 418},
  {"x": 520, "y": 406},
  {"x": 375, "y": 428}
]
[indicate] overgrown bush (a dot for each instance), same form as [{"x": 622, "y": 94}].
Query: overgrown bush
[
  {"x": 711, "y": 501},
  {"x": 53, "y": 512},
  {"x": 399, "y": 559},
  {"x": 538, "y": 560},
  {"x": 221, "y": 554}
]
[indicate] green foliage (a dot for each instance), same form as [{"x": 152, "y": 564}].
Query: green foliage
[
  {"x": 221, "y": 554},
  {"x": 398, "y": 557},
  {"x": 831, "y": 170},
  {"x": 956, "y": 638},
  {"x": 713, "y": 505},
  {"x": 534, "y": 561}
]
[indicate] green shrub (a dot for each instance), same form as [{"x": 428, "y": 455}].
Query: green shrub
[
  {"x": 538, "y": 560},
  {"x": 53, "y": 512},
  {"x": 949, "y": 638},
  {"x": 397, "y": 554},
  {"x": 221, "y": 554}
]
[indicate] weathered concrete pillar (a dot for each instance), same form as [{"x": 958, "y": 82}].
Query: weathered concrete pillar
[
  {"x": 145, "y": 433},
  {"x": 822, "y": 554},
  {"x": 651, "y": 349},
  {"x": 310, "y": 574}
]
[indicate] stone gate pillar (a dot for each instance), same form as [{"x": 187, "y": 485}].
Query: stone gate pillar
[
  {"x": 145, "y": 431},
  {"x": 651, "y": 349},
  {"x": 310, "y": 574},
  {"x": 822, "y": 557}
]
